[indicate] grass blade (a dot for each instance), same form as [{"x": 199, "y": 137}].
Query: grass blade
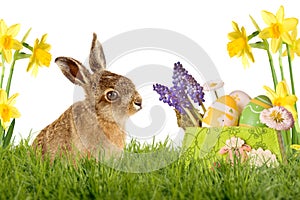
[{"x": 9, "y": 133}]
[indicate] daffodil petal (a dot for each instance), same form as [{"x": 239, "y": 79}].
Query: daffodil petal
[
  {"x": 13, "y": 30},
  {"x": 275, "y": 44},
  {"x": 3, "y": 96},
  {"x": 292, "y": 55},
  {"x": 35, "y": 70},
  {"x": 294, "y": 34},
  {"x": 282, "y": 89},
  {"x": 292, "y": 110},
  {"x": 45, "y": 47},
  {"x": 233, "y": 35},
  {"x": 30, "y": 64},
  {"x": 265, "y": 33},
  {"x": 270, "y": 93},
  {"x": 286, "y": 38},
  {"x": 291, "y": 100},
  {"x": 297, "y": 47},
  {"x": 12, "y": 100},
  {"x": 17, "y": 45},
  {"x": 235, "y": 26},
  {"x": 290, "y": 24},
  {"x": 7, "y": 55},
  {"x": 280, "y": 14},
  {"x": 44, "y": 37},
  {"x": 44, "y": 57},
  {"x": 3, "y": 27},
  {"x": 245, "y": 61},
  {"x": 269, "y": 18},
  {"x": 14, "y": 112},
  {"x": 284, "y": 53},
  {"x": 249, "y": 54}
]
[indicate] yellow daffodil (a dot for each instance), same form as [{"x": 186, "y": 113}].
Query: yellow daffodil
[
  {"x": 238, "y": 45},
  {"x": 296, "y": 147},
  {"x": 294, "y": 46},
  {"x": 278, "y": 29},
  {"x": 40, "y": 56},
  {"x": 7, "y": 109},
  {"x": 7, "y": 41},
  {"x": 282, "y": 97}
]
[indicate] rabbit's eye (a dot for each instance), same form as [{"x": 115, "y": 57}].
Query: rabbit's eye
[{"x": 112, "y": 95}]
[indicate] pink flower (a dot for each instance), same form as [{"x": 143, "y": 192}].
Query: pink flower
[
  {"x": 235, "y": 146},
  {"x": 277, "y": 117}
]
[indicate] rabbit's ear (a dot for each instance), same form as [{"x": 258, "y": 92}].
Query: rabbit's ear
[
  {"x": 97, "y": 57},
  {"x": 73, "y": 70}
]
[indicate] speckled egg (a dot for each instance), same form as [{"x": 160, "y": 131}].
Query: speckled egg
[
  {"x": 222, "y": 112},
  {"x": 241, "y": 98},
  {"x": 251, "y": 112}
]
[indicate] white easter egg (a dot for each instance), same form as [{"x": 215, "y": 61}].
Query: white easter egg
[{"x": 241, "y": 98}]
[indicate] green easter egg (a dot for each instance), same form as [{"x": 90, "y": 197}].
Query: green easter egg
[{"x": 251, "y": 112}]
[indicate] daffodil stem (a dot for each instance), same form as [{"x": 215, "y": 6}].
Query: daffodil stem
[
  {"x": 275, "y": 81},
  {"x": 280, "y": 62},
  {"x": 274, "y": 76},
  {"x": 290, "y": 69},
  {"x": 12, "y": 67},
  {"x": 3, "y": 71},
  {"x": 295, "y": 136},
  {"x": 287, "y": 140}
]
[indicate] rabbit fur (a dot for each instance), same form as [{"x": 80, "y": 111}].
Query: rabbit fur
[{"x": 96, "y": 125}]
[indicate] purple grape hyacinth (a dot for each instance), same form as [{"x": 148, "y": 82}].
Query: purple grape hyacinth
[{"x": 184, "y": 88}]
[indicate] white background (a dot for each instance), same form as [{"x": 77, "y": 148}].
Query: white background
[{"x": 70, "y": 25}]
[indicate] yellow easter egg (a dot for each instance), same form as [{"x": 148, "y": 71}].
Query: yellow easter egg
[{"x": 222, "y": 112}]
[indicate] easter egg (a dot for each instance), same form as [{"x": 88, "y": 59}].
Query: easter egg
[
  {"x": 222, "y": 112},
  {"x": 241, "y": 98},
  {"x": 251, "y": 112}
]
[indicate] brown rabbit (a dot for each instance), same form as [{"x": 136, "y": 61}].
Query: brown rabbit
[{"x": 94, "y": 126}]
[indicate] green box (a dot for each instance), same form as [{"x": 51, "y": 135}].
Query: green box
[{"x": 205, "y": 143}]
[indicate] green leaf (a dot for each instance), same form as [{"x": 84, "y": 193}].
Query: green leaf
[
  {"x": 254, "y": 23},
  {"x": 26, "y": 35},
  {"x": 253, "y": 35},
  {"x": 259, "y": 45},
  {"x": 9, "y": 133},
  {"x": 27, "y": 46},
  {"x": 2, "y": 134},
  {"x": 22, "y": 55}
]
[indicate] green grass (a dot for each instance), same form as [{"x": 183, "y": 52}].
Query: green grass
[{"x": 25, "y": 176}]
